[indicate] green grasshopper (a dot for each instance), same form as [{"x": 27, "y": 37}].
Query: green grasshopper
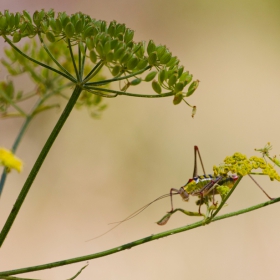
[{"x": 205, "y": 187}]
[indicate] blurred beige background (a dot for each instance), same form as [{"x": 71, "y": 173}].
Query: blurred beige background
[{"x": 100, "y": 171}]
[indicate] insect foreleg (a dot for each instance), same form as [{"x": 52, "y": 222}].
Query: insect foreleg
[{"x": 183, "y": 194}]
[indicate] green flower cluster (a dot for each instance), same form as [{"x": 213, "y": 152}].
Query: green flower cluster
[
  {"x": 110, "y": 44},
  {"x": 240, "y": 165}
]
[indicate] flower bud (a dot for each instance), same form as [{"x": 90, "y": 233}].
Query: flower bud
[
  {"x": 178, "y": 97},
  {"x": 107, "y": 47},
  {"x": 135, "y": 82},
  {"x": 116, "y": 70},
  {"x": 119, "y": 53},
  {"x": 58, "y": 25},
  {"x": 165, "y": 58},
  {"x": 65, "y": 21},
  {"x": 79, "y": 26},
  {"x": 90, "y": 43},
  {"x": 16, "y": 36},
  {"x": 179, "y": 87},
  {"x": 128, "y": 36},
  {"x": 156, "y": 87},
  {"x": 173, "y": 61},
  {"x": 17, "y": 19},
  {"x": 132, "y": 63},
  {"x": 186, "y": 77},
  {"x": 142, "y": 64},
  {"x": 180, "y": 71},
  {"x": 162, "y": 75},
  {"x": 99, "y": 49},
  {"x": 92, "y": 56},
  {"x": 27, "y": 16},
  {"x": 152, "y": 59},
  {"x": 172, "y": 80},
  {"x": 151, "y": 47},
  {"x": 161, "y": 50},
  {"x": 110, "y": 56},
  {"x": 127, "y": 56},
  {"x": 69, "y": 30},
  {"x": 12, "y": 20},
  {"x": 50, "y": 36},
  {"x": 37, "y": 18},
  {"x": 112, "y": 28},
  {"x": 114, "y": 43},
  {"x": 82, "y": 47},
  {"x": 193, "y": 86},
  {"x": 3, "y": 22},
  {"x": 150, "y": 76}
]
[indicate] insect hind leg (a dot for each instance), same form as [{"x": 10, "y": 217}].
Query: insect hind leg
[{"x": 261, "y": 187}]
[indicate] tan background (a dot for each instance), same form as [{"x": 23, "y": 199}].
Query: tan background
[{"x": 101, "y": 171}]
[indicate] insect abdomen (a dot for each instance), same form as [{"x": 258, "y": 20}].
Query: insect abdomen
[{"x": 197, "y": 183}]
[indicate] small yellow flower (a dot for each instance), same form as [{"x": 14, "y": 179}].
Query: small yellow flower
[{"x": 10, "y": 161}]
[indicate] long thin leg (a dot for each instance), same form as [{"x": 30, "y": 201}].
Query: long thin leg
[
  {"x": 207, "y": 189},
  {"x": 196, "y": 151},
  {"x": 174, "y": 191},
  {"x": 260, "y": 187}
]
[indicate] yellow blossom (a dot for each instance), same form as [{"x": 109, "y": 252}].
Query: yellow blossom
[{"x": 10, "y": 161}]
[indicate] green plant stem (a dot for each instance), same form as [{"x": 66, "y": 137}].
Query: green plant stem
[
  {"x": 69, "y": 77},
  {"x": 118, "y": 78},
  {"x": 135, "y": 243},
  {"x": 116, "y": 93},
  {"x": 73, "y": 61},
  {"x": 68, "y": 74},
  {"x": 224, "y": 200},
  {"x": 36, "y": 167}
]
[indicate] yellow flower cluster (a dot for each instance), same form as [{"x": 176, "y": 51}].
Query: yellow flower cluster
[
  {"x": 10, "y": 161},
  {"x": 240, "y": 165},
  {"x": 223, "y": 191}
]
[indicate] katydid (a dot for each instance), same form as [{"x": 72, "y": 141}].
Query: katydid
[{"x": 205, "y": 187}]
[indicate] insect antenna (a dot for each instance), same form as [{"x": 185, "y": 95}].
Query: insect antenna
[{"x": 134, "y": 214}]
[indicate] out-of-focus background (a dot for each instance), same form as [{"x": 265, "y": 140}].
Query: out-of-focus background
[{"x": 100, "y": 171}]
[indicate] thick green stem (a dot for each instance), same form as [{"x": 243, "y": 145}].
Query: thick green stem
[
  {"x": 134, "y": 243},
  {"x": 38, "y": 163}
]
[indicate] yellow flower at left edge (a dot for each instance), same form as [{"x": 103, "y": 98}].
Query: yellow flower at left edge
[{"x": 9, "y": 160}]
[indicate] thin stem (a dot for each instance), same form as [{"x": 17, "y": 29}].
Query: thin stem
[
  {"x": 127, "y": 93},
  {"x": 38, "y": 62},
  {"x": 135, "y": 243},
  {"x": 73, "y": 60},
  {"x": 67, "y": 74},
  {"x": 224, "y": 200},
  {"x": 119, "y": 79},
  {"x": 12, "y": 103},
  {"x": 36, "y": 167},
  {"x": 94, "y": 71}
]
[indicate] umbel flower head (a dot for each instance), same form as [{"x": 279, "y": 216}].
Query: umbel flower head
[
  {"x": 110, "y": 45},
  {"x": 9, "y": 160},
  {"x": 239, "y": 164}
]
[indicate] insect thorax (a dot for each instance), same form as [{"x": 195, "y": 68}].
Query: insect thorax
[{"x": 196, "y": 184}]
